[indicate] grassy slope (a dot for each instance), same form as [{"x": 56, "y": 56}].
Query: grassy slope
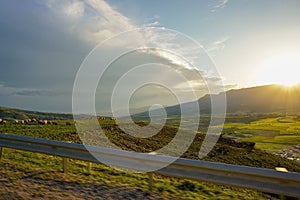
[{"x": 225, "y": 151}]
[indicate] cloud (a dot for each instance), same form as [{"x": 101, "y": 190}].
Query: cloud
[
  {"x": 92, "y": 20},
  {"x": 96, "y": 20},
  {"x": 36, "y": 92},
  {"x": 41, "y": 51},
  {"x": 153, "y": 22},
  {"x": 16, "y": 91},
  {"x": 221, "y": 4},
  {"x": 75, "y": 9},
  {"x": 35, "y": 99},
  {"x": 217, "y": 45},
  {"x": 231, "y": 86}
]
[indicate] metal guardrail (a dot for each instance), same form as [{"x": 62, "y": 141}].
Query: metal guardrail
[{"x": 267, "y": 180}]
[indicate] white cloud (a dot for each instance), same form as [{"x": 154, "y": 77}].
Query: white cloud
[
  {"x": 221, "y": 4},
  {"x": 92, "y": 20},
  {"x": 95, "y": 21},
  {"x": 218, "y": 45},
  {"x": 74, "y": 9},
  {"x": 16, "y": 91},
  {"x": 153, "y": 22}
]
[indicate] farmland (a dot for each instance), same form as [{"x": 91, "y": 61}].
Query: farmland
[{"x": 271, "y": 134}]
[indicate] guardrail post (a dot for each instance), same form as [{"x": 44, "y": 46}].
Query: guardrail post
[
  {"x": 1, "y": 151},
  {"x": 150, "y": 181},
  {"x": 89, "y": 167},
  {"x": 65, "y": 165}
]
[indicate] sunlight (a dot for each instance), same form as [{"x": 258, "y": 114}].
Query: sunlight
[{"x": 282, "y": 70}]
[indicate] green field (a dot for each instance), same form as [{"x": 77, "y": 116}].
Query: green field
[{"x": 272, "y": 134}]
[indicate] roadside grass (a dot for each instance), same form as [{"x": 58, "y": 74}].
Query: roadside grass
[
  {"x": 225, "y": 151},
  {"x": 48, "y": 167}
]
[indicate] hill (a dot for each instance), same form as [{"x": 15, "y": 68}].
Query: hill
[
  {"x": 260, "y": 99},
  {"x": 12, "y": 114},
  {"x": 270, "y": 98},
  {"x": 226, "y": 150}
]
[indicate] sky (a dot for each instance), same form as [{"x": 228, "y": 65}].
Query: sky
[{"x": 44, "y": 44}]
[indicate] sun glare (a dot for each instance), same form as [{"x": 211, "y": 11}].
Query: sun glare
[{"x": 282, "y": 70}]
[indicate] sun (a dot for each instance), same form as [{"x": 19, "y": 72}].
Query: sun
[{"x": 284, "y": 70}]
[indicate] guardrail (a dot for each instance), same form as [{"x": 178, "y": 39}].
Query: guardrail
[{"x": 267, "y": 180}]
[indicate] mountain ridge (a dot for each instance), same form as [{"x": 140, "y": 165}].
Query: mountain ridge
[{"x": 259, "y": 99}]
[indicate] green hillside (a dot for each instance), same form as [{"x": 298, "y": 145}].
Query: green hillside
[{"x": 225, "y": 151}]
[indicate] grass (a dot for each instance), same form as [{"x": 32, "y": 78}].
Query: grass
[
  {"x": 269, "y": 134},
  {"x": 226, "y": 151},
  {"x": 101, "y": 173}
]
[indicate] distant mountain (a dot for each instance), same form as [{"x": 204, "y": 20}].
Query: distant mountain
[
  {"x": 269, "y": 98},
  {"x": 12, "y": 114},
  {"x": 260, "y": 99}
]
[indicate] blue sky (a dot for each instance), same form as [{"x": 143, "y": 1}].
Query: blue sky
[{"x": 43, "y": 43}]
